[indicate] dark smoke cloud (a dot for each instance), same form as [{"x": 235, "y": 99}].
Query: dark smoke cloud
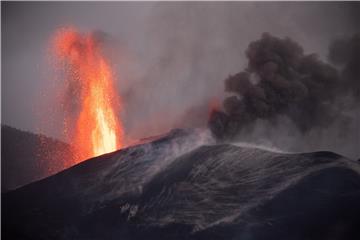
[
  {"x": 346, "y": 53},
  {"x": 280, "y": 80}
]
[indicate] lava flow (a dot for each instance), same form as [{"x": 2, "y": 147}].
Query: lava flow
[{"x": 98, "y": 129}]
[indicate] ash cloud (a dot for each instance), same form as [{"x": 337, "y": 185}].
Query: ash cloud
[
  {"x": 193, "y": 46},
  {"x": 345, "y": 52},
  {"x": 282, "y": 85}
]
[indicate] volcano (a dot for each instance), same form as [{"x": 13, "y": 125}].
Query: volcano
[{"x": 184, "y": 186}]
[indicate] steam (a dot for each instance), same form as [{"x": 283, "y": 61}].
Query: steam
[{"x": 282, "y": 86}]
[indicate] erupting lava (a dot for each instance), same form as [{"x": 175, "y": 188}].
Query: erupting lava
[{"x": 97, "y": 127}]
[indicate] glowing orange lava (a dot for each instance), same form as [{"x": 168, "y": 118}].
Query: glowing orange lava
[{"x": 97, "y": 127}]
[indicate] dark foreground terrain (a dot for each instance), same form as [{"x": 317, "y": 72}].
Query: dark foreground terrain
[{"x": 182, "y": 187}]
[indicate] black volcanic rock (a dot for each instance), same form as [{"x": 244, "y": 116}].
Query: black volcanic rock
[{"x": 176, "y": 187}]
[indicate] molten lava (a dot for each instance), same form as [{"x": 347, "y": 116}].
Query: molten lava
[{"x": 97, "y": 127}]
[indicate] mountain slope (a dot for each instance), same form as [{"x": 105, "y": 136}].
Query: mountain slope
[
  {"x": 178, "y": 188},
  {"x": 24, "y": 158}
]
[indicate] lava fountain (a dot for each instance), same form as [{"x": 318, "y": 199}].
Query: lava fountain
[{"x": 97, "y": 128}]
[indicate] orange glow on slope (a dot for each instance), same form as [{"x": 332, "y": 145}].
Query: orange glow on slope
[{"x": 97, "y": 127}]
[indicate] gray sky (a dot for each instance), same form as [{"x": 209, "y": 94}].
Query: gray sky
[{"x": 169, "y": 58}]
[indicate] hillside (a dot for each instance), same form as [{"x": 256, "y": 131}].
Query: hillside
[
  {"x": 26, "y": 157},
  {"x": 181, "y": 186}
]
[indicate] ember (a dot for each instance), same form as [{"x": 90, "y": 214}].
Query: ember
[{"x": 97, "y": 127}]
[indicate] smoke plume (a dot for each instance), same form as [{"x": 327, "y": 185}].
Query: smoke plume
[
  {"x": 281, "y": 83},
  {"x": 346, "y": 54}
]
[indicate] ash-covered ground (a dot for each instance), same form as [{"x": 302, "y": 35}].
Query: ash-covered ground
[{"x": 185, "y": 186}]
